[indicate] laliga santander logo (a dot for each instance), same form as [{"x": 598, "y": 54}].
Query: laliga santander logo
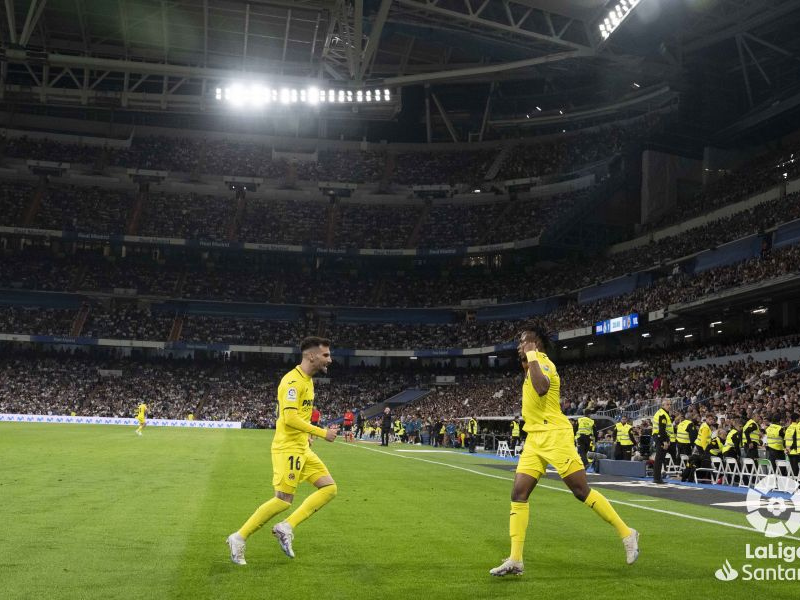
[
  {"x": 758, "y": 503},
  {"x": 727, "y": 572}
]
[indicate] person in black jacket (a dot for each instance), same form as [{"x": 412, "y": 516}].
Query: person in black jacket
[
  {"x": 359, "y": 425},
  {"x": 386, "y": 426}
]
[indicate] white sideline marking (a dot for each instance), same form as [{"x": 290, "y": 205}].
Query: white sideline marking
[
  {"x": 426, "y": 451},
  {"x": 558, "y": 489},
  {"x": 646, "y": 500}
]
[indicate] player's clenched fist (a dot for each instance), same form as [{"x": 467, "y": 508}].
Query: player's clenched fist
[{"x": 333, "y": 431}]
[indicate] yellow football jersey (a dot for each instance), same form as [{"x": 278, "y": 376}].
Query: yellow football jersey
[
  {"x": 543, "y": 413},
  {"x": 296, "y": 390},
  {"x": 142, "y": 410}
]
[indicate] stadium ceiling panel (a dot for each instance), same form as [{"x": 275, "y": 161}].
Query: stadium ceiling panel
[{"x": 170, "y": 55}]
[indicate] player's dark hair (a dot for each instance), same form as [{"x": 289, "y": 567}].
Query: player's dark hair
[
  {"x": 313, "y": 342},
  {"x": 538, "y": 329}
]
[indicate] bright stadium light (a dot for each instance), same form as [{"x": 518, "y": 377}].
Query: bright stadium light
[
  {"x": 259, "y": 95},
  {"x": 617, "y": 13}
]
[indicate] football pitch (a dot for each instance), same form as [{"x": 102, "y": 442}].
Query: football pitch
[{"x": 97, "y": 512}]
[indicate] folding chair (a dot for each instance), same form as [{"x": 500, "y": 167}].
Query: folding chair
[
  {"x": 518, "y": 449},
  {"x": 670, "y": 468},
  {"x": 716, "y": 464},
  {"x": 783, "y": 467},
  {"x": 503, "y": 450},
  {"x": 764, "y": 468},
  {"x": 731, "y": 472},
  {"x": 705, "y": 475},
  {"x": 749, "y": 472},
  {"x": 684, "y": 462}
]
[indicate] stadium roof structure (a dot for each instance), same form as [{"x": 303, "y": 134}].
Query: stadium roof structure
[{"x": 476, "y": 63}]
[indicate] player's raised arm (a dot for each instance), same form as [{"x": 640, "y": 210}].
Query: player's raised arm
[{"x": 540, "y": 381}]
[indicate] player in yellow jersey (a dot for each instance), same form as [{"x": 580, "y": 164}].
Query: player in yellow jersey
[
  {"x": 292, "y": 458},
  {"x": 549, "y": 442},
  {"x": 140, "y": 416}
]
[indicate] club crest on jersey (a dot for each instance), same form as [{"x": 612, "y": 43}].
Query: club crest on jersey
[
  {"x": 291, "y": 476},
  {"x": 291, "y": 395}
]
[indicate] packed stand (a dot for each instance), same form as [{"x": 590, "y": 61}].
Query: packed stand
[
  {"x": 30, "y": 320},
  {"x": 127, "y": 323},
  {"x": 173, "y": 389},
  {"x": 378, "y": 226},
  {"x": 443, "y": 168},
  {"x": 254, "y": 332},
  {"x": 36, "y": 271},
  {"x": 187, "y": 216},
  {"x": 284, "y": 222},
  {"x": 567, "y": 154},
  {"x": 398, "y": 336},
  {"x": 14, "y": 199},
  {"x": 85, "y": 209},
  {"x": 127, "y": 274}
]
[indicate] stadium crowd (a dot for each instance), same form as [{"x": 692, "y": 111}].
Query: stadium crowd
[
  {"x": 59, "y": 383},
  {"x": 675, "y": 288},
  {"x": 64, "y": 383},
  {"x": 252, "y": 159}
]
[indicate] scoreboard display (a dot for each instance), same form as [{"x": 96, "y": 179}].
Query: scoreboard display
[{"x": 617, "y": 324}]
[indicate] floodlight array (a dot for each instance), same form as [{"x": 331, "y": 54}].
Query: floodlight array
[
  {"x": 258, "y": 95},
  {"x": 616, "y": 15}
]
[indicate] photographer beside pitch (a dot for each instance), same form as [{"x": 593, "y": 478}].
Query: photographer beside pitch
[
  {"x": 292, "y": 458},
  {"x": 549, "y": 442}
]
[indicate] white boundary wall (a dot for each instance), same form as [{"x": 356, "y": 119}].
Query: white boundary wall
[{"x": 66, "y": 419}]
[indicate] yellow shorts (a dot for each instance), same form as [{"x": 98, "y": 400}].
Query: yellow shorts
[
  {"x": 544, "y": 448},
  {"x": 289, "y": 468},
  {"x": 141, "y": 421}
]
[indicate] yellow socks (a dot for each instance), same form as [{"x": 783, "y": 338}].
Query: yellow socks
[
  {"x": 263, "y": 513},
  {"x": 312, "y": 504},
  {"x": 598, "y": 503},
  {"x": 517, "y": 525}
]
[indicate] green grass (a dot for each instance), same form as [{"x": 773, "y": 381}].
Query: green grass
[{"x": 96, "y": 512}]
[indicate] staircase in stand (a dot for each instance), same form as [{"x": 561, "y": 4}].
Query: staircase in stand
[
  {"x": 78, "y": 278},
  {"x": 138, "y": 208},
  {"x": 413, "y": 238},
  {"x": 177, "y": 328},
  {"x": 334, "y": 212},
  {"x": 388, "y": 170},
  {"x": 277, "y": 292},
  {"x": 35, "y": 204},
  {"x": 377, "y": 292},
  {"x": 179, "y": 284},
  {"x": 497, "y": 164},
  {"x": 80, "y": 320},
  {"x": 487, "y": 233},
  {"x": 233, "y": 227}
]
